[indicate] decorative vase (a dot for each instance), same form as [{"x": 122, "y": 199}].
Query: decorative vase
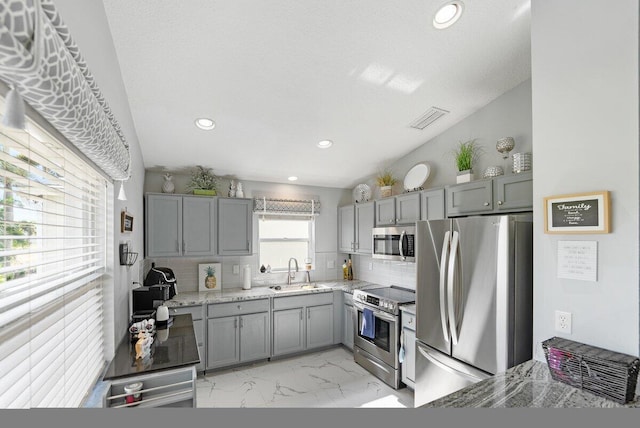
[
  {"x": 232, "y": 189},
  {"x": 210, "y": 282},
  {"x": 168, "y": 186},
  {"x": 239, "y": 191},
  {"x": 521, "y": 162},
  {"x": 386, "y": 191},
  {"x": 464, "y": 176}
]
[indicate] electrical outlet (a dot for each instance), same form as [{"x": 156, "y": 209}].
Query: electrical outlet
[
  {"x": 563, "y": 322},
  {"x": 370, "y": 266}
]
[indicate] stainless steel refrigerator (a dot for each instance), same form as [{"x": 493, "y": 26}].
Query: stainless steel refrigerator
[{"x": 474, "y": 293}]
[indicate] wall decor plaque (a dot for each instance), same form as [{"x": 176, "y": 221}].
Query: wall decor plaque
[{"x": 577, "y": 213}]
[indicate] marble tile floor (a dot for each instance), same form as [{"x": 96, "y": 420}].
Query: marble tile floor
[{"x": 328, "y": 378}]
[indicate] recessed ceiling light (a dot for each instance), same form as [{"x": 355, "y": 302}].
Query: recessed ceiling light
[
  {"x": 325, "y": 144},
  {"x": 448, "y": 14},
  {"x": 204, "y": 123},
  {"x": 292, "y": 178}
]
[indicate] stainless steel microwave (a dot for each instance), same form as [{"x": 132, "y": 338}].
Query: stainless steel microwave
[{"x": 394, "y": 243}]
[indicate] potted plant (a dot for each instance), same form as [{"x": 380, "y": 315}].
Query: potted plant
[
  {"x": 466, "y": 154},
  {"x": 210, "y": 279},
  {"x": 386, "y": 180},
  {"x": 203, "y": 181}
]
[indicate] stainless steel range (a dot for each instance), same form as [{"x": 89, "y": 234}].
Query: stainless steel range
[{"x": 376, "y": 346}]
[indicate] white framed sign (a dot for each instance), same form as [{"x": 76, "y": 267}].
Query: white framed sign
[{"x": 578, "y": 260}]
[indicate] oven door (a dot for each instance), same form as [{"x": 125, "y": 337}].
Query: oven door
[{"x": 384, "y": 344}]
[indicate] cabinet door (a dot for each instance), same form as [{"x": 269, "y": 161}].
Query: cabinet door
[
  {"x": 364, "y": 226},
  {"x": 234, "y": 226},
  {"x": 409, "y": 364},
  {"x": 319, "y": 326},
  {"x": 347, "y": 326},
  {"x": 385, "y": 212},
  {"x": 254, "y": 336},
  {"x": 288, "y": 332},
  {"x": 198, "y": 226},
  {"x": 470, "y": 198},
  {"x": 514, "y": 192},
  {"x": 346, "y": 229},
  {"x": 223, "y": 347},
  {"x": 432, "y": 204},
  {"x": 163, "y": 226},
  {"x": 408, "y": 208}
]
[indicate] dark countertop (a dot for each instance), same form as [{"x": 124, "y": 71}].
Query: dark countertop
[
  {"x": 180, "y": 349},
  {"x": 526, "y": 385}
]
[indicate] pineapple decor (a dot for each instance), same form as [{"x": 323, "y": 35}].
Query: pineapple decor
[{"x": 210, "y": 279}]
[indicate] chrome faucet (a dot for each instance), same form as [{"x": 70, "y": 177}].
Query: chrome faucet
[{"x": 289, "y": 276}]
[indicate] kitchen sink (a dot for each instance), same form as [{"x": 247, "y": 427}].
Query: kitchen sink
[{"x": 287, "y": 288}]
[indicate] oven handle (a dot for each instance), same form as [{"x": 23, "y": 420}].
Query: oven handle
[{"x": 380, "y": 314}]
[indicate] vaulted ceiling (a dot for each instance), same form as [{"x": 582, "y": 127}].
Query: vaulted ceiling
[{"x": 278, "y": 76}]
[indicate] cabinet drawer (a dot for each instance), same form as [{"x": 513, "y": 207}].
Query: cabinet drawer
[
  {"x": 237, "y": 308},
  {"x": 195, "y": 311},
  {"x": 408, "y": 320},
  {"x": 304, "y": 300}
]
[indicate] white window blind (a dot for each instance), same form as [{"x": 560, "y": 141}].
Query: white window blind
[
  {"x": 282, "y": 237},
  {"x": 52, "y": 264}
]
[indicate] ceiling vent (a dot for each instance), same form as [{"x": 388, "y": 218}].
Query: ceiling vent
[{"x": 433, "y": 114}]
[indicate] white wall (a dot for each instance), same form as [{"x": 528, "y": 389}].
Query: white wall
[
  {"x": 585, "y": 128},
  {"x": 89, "y": 28},
  {"x": 326, "y": 225}
]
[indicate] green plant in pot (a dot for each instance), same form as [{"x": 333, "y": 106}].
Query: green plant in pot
[
  {"x": 203, "y": 181},
  {"x": 385, "y": 181},
  {"x": 466, "y": 155}
]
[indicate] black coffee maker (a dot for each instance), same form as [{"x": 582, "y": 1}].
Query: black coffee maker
[{"x": 159, "y": 286}]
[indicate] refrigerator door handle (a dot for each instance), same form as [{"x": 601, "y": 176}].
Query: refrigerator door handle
[
  {"x": 443, "y": 282},
  {"x": 451, "y": 287},
  {"x": 465, "y": 374}
]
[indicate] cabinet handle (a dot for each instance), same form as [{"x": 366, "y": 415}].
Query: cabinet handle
[
  {"x": 239, "y": 307},
  {"x": 486, "y": 204},
  {"x": 308, "y": 314},
  {"x": 235, "y": 323},
  {"x": 241, "y": 323},
  {"x": 300, "y": 314},
  {"x": 397, "y": 220},
  {"x": 499, "y": 202},
  {"x": 177, "y": 246},
  {"x": 184, "y": 247}
]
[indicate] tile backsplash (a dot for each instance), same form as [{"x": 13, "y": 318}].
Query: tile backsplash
[
  {"x": 384, "y": 272},
  {"x": 186, "y": 270}
]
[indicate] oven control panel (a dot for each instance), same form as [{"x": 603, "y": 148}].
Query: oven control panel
[{"x": 387, "y": 305}]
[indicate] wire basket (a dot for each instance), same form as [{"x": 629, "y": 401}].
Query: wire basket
[{"x": 600, "y": 371}]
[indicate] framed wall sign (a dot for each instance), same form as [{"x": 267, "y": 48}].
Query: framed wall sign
[
  {"x": 126, "y": 222},
  {"x": 577, "y": 213},
  {"x": 209, "y": 276}
]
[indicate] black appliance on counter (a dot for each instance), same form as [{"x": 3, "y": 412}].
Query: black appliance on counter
[{"x": 159, "y": 286}]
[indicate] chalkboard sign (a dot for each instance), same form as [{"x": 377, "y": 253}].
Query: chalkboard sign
[{"x": 578, "y": 213}]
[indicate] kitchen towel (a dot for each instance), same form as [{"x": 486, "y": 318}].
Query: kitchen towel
[{"x": 368, "y": 326}]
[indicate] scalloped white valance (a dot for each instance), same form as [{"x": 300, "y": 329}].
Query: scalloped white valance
[
  {"x": 286, "y": 206},
  {"x": 42, "y": 62}
]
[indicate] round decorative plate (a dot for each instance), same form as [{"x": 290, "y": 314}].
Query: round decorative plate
[
  {"x": 416, "y": 176},
  {"x": 361, "y": 193}
]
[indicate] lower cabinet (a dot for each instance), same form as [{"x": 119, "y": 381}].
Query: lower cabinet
[
  {"x": 236, "y": 333},
  {"x": 408, "y": 367},
  {"x": 347, "y": 321},
  {"x": 302, "y": 322}
]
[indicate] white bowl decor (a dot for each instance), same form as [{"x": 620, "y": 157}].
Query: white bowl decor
[{"x": 492, "y": 171}]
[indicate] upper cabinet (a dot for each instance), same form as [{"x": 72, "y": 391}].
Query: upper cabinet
[
  {"x": 179, "y": 225},
  {"x": 401, "y": 209},
  {"x": 432, "y": 205},
  {"x": 235, "y": 225},
  {"x": 354, "y": 228},
  {"x": 510, "y": 193}
]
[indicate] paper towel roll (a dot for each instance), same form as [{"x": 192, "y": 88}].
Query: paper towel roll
[{"x": 247, "y": 278}]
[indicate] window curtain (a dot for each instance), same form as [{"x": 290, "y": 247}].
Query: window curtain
[
  {"x": 286, "y": 207},
  {"x": 41, "y": 61}
]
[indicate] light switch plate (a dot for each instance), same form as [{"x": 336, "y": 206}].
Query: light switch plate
[
  {"x": 331, "y": 264},
  {"x": 236, "y": 269}
]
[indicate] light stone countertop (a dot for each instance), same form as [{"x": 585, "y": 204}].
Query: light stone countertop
[
  {"x": 526, "y": 385},
  {"x": 191, "y": 298}
]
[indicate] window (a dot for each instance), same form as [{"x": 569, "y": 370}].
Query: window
[
  {"x": 281, "y": 238},
  {"x": 53, "y": 217}
]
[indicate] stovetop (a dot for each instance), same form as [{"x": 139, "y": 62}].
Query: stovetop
[{"x": 388, "y": 299}]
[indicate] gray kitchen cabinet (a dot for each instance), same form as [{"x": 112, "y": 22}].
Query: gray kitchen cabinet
[
  {"x": 347, "y": 321},
  {"x": 302, "y": 322},
  {"x": 197, "y": 317},
  {"x": 237, "y": 332},
  {"x": 355, "y": 223},
  {"x": 235, "y": 225},
  {"x": 179, "y": 225},
  {"x": 502, "y": 194},
  {"x": 408, "y": 367},
  {"x": 514, "y": 192},
  {"x": 432, "y": 204},
  {"x": 475, "y": 197},
  {"x": 346, "y": 229},
  {"x": 398, "y": 210}
]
